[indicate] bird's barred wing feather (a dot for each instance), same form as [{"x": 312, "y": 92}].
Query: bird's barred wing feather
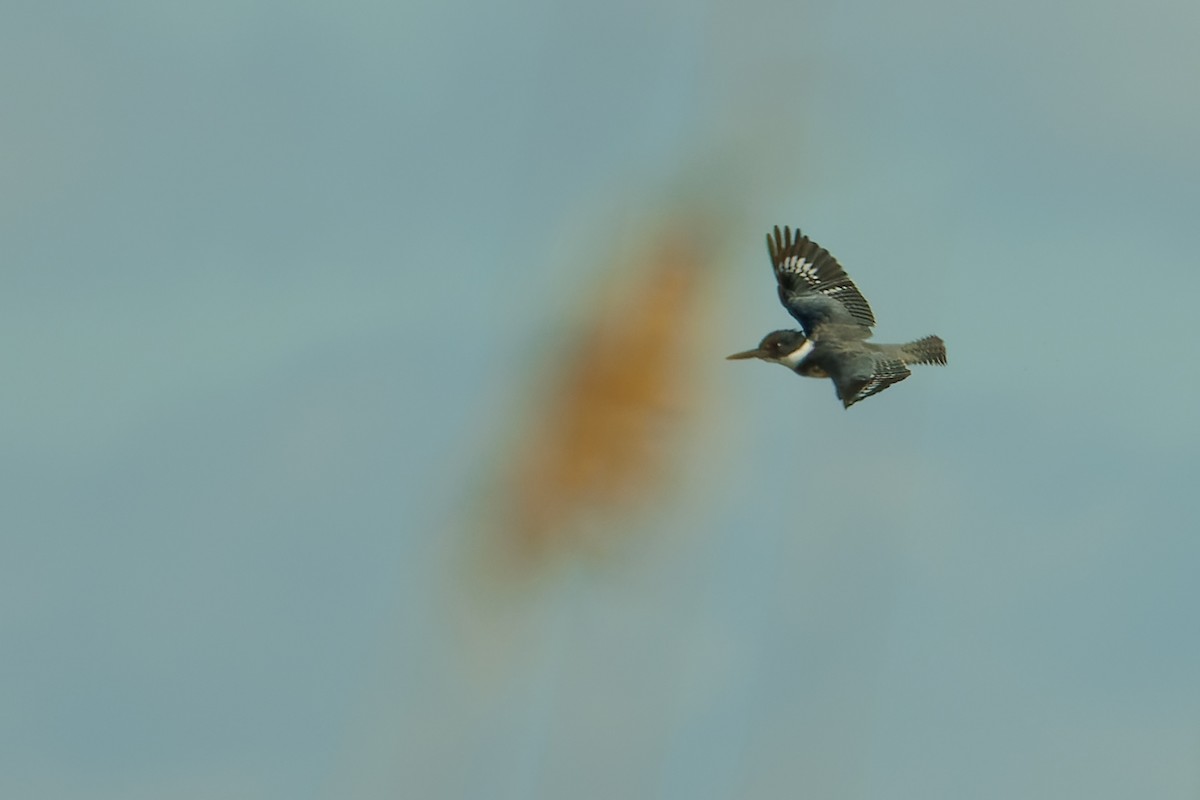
[
  {"x": 813, "y": 287},
  {"x": 867, "y": 375}
]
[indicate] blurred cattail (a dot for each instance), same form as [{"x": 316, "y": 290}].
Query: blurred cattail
[{"x": 601, "y": 442}]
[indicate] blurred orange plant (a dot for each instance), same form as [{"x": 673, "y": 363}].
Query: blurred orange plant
[{"x": 602, "y": 441}]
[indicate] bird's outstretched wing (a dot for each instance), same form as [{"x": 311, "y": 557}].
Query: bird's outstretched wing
[
  {"x": 867, "y": 374},
  {"x": 814, "y": 288}
]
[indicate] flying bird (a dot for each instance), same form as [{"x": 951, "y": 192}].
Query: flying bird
[{"x": 836, "y": 322}]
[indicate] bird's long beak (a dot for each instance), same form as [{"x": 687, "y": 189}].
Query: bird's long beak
[{"x": 755, "y": 353}]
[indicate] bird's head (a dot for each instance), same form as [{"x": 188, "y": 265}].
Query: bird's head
[{"x": 780, "y": 347}]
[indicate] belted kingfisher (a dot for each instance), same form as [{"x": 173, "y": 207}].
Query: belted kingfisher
[{"x": 837, "y": 322}]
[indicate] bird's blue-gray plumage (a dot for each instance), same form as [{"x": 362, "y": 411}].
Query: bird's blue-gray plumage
[
  {"x": 814, "y": 288},
  {"x": 837, "y": 321}
]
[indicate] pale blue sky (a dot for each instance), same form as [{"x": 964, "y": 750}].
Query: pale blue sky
[{"x": 277, "y": 280}]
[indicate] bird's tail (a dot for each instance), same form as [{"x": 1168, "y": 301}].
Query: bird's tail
[{"x": 930, "y": 350}]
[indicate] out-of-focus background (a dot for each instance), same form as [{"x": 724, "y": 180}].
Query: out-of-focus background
[{"x": 366, "y": 432}]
